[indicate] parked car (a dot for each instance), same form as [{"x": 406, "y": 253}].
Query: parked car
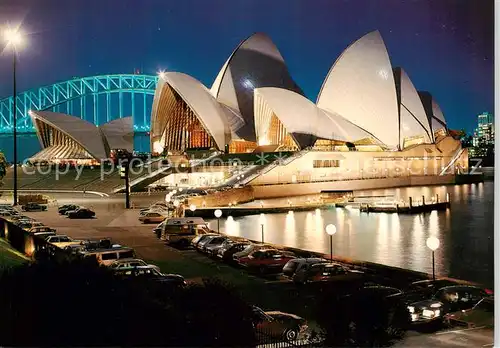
[
  {"x": 280, "y": 325},
  {"x": 181, "y": 231},
  {"x": 226, "y": 252},
  {"x": 161, "y": 210},
  {"x": 200, "y": 238},
  {"x": 211, "y": 244},
  {"x": 128, "y": 263},
  {"x": 107, "y": 256},
  {"x": 6, "y": 214},
  {"x": 213, "y": 249},
  {"x": 33, "y": 207},
  {"x": 150, "y": 274},
  {"x": 67, "y": 207},
  {"x": 152, "y": 217},
  {"x": 249, "y": 249},
  {"x": 481, "y": 315},
  {"x": 39, "y": 229},
  {"x": 43, "y": 235},
  {"x": 326, "y": 272},
  {"x": 299, "y": 264},
  {"x": 201, "y": 244},
  {"x": 379, "y": 291},
  {"x": 446, "y": 300},
  {"x": 159, "y": 228},
  {"x": 266, "y": 260},
  {"x": 81, "y": 213},
  {"x": 28, "y": 224},
  {"x": 61, "y": 241},
  {"x": 95, "y": 244},
  {"x": 15, "y": 218}
]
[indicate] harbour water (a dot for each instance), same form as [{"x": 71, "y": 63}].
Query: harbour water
[{"x": 465, "y": 232}]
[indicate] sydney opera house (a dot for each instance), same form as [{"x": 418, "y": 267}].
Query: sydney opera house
[
  {"x": 368, "y": 120},
  {"x": 366, "y": 111}
]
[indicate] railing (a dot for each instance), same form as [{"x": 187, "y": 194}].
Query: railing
[{"x": 268, "y": 339}]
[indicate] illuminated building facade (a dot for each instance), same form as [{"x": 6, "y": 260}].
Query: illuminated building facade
[{"x": 70, "y": 139}]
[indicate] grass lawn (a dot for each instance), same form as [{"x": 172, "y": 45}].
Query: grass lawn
[{"x": 10, "y": 257}]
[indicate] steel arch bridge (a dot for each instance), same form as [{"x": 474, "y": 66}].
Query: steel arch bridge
[{"x": 90, "y": 98}]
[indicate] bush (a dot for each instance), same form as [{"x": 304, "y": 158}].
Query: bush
[
  {"x": 79, "y": 303},
  {"x": 362, "y": 321}
]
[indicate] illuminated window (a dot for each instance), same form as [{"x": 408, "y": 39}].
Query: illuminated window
[{"x": 326, "y": 163}]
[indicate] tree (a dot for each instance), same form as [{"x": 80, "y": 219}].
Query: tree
[{"x": 71, "y": 303}]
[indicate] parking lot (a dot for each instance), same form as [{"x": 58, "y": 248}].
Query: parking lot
[{"x": 267, "y": 291}]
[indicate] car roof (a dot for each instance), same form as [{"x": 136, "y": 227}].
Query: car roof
[
  {"x": 104, "y": 250},
  {"x": 186, "y": 221},
  {"x": 129, "y": 260},
  {"x": 137, "y": 268},
  {"x": 460, "y": 287}
]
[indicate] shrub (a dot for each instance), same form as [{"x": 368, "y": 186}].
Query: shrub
[{"x": 78, "y": 303}]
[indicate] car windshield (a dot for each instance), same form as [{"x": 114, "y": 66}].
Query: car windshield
[
  {"x": 292, "y": 265},
  {"x": 63, "y": 239},
  {"x": 486, "y": 305}
]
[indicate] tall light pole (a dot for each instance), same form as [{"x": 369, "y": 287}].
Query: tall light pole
[
  {"x": 218, "y": 214},
  {"x": 331, "y": 230},
  {"x": 262, "y": 221},
  {"x": 433, "y": 244},
  {"x": 14, "y": 39}
]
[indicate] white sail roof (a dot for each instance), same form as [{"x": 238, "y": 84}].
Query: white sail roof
[
  {"x": 208, "y": 111},
  {"x": 86, "y": 134},
  {"x": 360, "y": 87},
  {"x": 119, "y": 133},
  {"x": 255, "y": 63},
  {"x": 414, "y": 121},
  {"x": 301, "y": 116}
]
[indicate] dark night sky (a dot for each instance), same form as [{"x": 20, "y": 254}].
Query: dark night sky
[{"x": 446, "y": 46}]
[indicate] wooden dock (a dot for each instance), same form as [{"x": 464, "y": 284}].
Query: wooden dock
[{"x": 405, "y": 209}]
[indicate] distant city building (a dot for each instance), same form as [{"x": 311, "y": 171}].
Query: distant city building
[{"x": 484, "y": 135}]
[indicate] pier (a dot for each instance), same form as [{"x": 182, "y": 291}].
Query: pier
[{"x": 412, "y": 206}]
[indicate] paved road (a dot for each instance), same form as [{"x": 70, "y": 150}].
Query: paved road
[{"x": 478, "y": 337}]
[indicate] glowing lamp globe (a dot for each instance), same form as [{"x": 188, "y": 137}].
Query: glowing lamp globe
[
  {"x": 192, "y": 207},
  {"x": 262, "y": 219},
  {"x": 432, "y": 243},
  {"x": 331, "y": 229},
  {"x": 218, "y": 213},
  {"x": 176, "y": 203},
  {"x": 13, "y": 37}
]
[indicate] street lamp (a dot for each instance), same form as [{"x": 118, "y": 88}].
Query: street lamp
[
  {"x": 331, "y": 230},
  {"x": 433, "y": 244},
  {"x": 14, "y": 38},
  {"x": 218, "y": 214},
  {"x": 262, "y": 221},
  {"x": 176, "y": 203},
  {"x": 192, "y": 207}
]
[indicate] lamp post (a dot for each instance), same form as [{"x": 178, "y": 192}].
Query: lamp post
[
  {"x": 218, "y": 214},
  {"x": 262, "y": 221},
  {"x": 14, "y": 39},
  {"x": 192, "y": 207},
  {"x": 331, "y": 230},
  {"x": 433, "y": 244}
]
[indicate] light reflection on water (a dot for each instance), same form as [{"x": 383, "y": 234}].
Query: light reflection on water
[{"x": 465, "y": 232}]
